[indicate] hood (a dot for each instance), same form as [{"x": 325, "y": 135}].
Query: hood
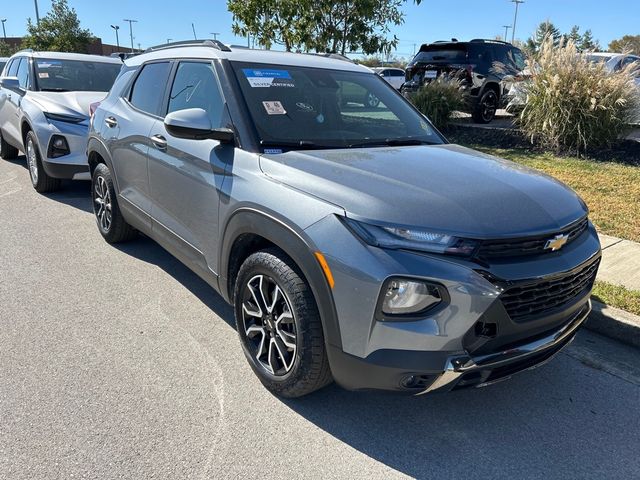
[
  {"x": 447, "y": 188},
  {"x": 66, "y": 103}
]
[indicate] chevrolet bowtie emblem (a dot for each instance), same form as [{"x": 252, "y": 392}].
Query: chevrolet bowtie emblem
[{"x": 556, "y": 243}]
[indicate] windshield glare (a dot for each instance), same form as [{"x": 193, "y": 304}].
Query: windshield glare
[
  {"x": 75, "y": 75},
  {"x": 300, "y": 107}
]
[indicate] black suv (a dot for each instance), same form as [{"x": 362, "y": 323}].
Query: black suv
[{"x": 474, "y": 63}]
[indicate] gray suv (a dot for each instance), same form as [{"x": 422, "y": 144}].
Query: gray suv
[{"x": 354, "y": 242}]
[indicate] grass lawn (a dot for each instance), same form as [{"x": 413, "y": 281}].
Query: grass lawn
[
  {"x": 618, "y": 297},
  {"x": 611, "y": 190}
]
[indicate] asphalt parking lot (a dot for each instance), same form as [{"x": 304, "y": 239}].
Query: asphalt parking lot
[{"x": 118, "y": 362}]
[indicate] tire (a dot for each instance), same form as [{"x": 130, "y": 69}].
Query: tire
[
  {"x": 371, "y": 101},
  {"x": 283, "y": 342},
  {"x": 8, "y": 152},
  {"x": 485, "y": 109},
  {"x": 42, "y": 182},
  {"x": 111, "y": 224}
]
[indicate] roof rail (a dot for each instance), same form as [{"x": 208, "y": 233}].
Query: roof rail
[
  {"x": 485, "y": 40},
  {"x": 217, "y": 44}
]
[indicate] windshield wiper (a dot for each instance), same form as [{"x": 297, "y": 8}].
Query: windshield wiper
[
  {"x": 300, "y": 145},
  {"x": 392, "y": 142},
  {"x": 54, "y": 90}
]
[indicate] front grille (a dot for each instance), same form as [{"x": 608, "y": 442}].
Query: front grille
[
  {"x": 528, "y": 300},
  {"x": 516, "y": 247}
]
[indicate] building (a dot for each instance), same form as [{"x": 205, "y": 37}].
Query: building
[{"x": 95, "y": 48}]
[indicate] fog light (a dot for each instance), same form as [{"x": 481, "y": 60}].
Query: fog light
[
  {"x": 58, "y": 147},
  {"x": 404, "y": 296}
]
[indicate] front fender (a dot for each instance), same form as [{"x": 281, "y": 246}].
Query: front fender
[{"x": 296, "y": 244}]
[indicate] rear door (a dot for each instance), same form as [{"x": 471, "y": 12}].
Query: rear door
[
  {"x": 127, "y": 130},
  {"x": 185, "y": 175}
]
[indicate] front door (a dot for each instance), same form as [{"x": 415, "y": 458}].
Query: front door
[{"x": 185, "y": 175}]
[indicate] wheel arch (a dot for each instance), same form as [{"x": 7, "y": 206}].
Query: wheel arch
[
  {"x": 250, "y": 230},
  {"x": 97, "y": 153}
]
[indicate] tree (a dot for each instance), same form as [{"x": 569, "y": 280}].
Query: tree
[
  {"x": 545, "y": 30},
  {"x": 6, "y": 50},
  {"x": 339, "y": 26},
  {"x": 575, "y": 36},
  {"x": 628, "y": 43},
  {"x": 268, "y": 21},
  {"x": 58, "y": 31},
  {"x": 588, "y": 43}
]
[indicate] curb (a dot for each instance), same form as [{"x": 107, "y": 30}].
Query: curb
[{"x": 614, "y": 323}]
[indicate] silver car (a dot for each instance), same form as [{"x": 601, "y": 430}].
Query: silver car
[
  {"x": 355, "y": 244},
  {"x": 45, "y": 99}
]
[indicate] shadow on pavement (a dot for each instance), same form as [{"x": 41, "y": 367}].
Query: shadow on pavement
[
  {"x": 563, "y": 420},
  {"x": 76, "y": 194},
  {"x": 145, "y": 249},
  {"x": 544, "y": 423}
]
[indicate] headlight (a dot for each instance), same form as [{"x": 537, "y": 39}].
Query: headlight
[
  {"x": 412, "y": 239},
  {"x": 58, "y": 117},
  {"x": 402, "y": 296}
]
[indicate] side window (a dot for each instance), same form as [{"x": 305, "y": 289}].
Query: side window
[
  {"x": 12, "y": 69},
  {"x": 195, "y": 86},
  {"x": 23, "y": 73},
  {"x": 148, "y": 90}
]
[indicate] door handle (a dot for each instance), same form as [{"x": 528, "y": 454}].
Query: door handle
[
  {"x": 159, "y": 141},
  {"x": 111, "y": 122}
]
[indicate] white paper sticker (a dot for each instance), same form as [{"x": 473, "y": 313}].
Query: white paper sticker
[
  {"x": 43, "y": 75},
  {"x": 274, "y": 108}
]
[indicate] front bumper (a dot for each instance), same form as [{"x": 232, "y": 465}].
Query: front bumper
[
  {"x": 468, "y": 371},
  {"x": 74, "y": 165}
]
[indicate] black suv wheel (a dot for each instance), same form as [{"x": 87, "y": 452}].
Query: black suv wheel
[
  {"x": 279, "y": 325},
  {"x": 485, "y": 109}
]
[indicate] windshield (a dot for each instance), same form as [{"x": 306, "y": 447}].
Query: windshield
[
  {"x": 75, "y": 75},
  {"x": 300, "y": 107}
]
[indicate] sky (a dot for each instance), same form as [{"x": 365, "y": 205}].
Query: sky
[{"x": 159, "y": 20}]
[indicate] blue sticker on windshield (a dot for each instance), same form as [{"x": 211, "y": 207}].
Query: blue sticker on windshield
[
  {"x": 272, "y": 151},
  {"x": 265, "y": 78},
  {"x": 49, "y": 63}
]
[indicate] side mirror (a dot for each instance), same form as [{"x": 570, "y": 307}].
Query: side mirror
[
  {"x": 194, "y": 124},
  {"x": 11, "y": 83}
]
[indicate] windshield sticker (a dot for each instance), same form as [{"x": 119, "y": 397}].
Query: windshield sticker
[
  {"x": 49, "y": 63},
  {"x": 272, "y": 151},
  {"x": 43, "y": 74},
  {"x": 274, "y": 108},
  {"x": 268, "y": 78}
]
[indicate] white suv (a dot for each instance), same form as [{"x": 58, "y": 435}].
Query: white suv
[{"x": 44, "y": 111}]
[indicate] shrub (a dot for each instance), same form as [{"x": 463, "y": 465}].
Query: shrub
[
  {"x": 573, "y": 104},
  {"x": 439, "y": 99}
]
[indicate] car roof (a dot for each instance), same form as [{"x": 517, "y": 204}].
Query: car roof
[
  {"x": 247, "y": 55},
  {"x": 67, "y": 56}
]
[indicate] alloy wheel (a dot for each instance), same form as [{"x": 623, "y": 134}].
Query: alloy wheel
[
  {"x": 269, "y": 325},
  {"x": 102, "y": 203},
  {"x": 32, "y": 161},
  {"x": 489, "y": 106}
]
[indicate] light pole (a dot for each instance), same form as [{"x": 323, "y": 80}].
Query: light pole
[
  {"x": 131, "y": 22},
  {"x": 215, "y": 35},
  {"x": 506, "y": 32},
  {"x": 4, "y": 32},
  {"x": 515, "y": 19},
  {"x": 35, "y": 2},
  {"x": 116, "y": 28}
]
